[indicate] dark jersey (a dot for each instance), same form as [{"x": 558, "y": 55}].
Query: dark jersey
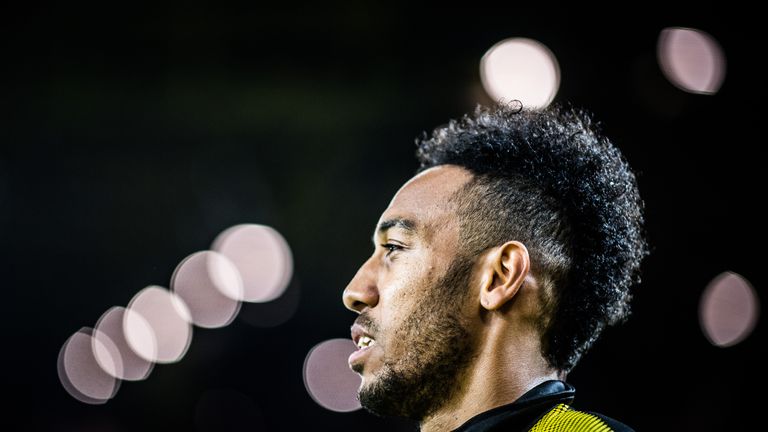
[{"x": 544, "y": 408}]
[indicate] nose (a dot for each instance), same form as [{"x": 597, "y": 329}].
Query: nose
[{"x": 362, "y": 292}]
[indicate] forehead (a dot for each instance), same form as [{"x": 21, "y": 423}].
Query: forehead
[{"x": 424, "y": 198}]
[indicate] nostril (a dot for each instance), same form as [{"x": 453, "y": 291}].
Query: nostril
[{"x": 352, "y": 301}]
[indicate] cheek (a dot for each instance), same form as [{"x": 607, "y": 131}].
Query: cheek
[
  {"x": 404, "y": 289},
  {"x": 403, "y": 298},
  {"x": 405, "y": 283},
  {"x": 404, "y": 305}
]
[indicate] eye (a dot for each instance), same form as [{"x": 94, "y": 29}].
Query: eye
[{"x": 391, "y": 247}]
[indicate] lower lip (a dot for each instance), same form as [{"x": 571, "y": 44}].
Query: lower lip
[{"x": 356, "y": 356}]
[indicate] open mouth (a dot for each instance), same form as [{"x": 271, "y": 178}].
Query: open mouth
[{"x": 365, "y": 342}]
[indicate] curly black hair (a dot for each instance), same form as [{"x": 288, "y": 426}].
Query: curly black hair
[{"x": 548, "y": 178}]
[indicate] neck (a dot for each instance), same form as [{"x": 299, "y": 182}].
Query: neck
[{"x": 503, "y": 369}]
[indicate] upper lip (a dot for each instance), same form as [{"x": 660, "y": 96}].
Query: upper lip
[{"x": 358, "y": 331}]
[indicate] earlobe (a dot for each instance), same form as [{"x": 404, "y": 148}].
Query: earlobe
[{"x": 505, "y": 270}]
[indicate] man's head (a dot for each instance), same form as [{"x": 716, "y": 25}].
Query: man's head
[{"x": 531, "y": 215}]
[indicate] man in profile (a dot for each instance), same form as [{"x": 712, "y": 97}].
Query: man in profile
[{"x": 495, "y": 268}]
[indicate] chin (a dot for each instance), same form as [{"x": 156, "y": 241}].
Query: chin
[{"x": 369, "y": 380}]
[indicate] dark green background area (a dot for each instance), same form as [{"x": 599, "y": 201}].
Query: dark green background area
[{"x": 131, "y": 135}]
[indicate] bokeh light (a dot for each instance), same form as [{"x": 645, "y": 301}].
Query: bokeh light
[
  {"x": 728, "y": 310},
  {"x": 327, "y": 376},
  {"x": 158, "y": 325},
  {"x": 106, "y": 353},
  {"x": 262, "y": 256},
  {"x": 80, "y": 373},
  {"x": 110, "y": 326},
  {"x": 211, "y": 286},
  {"x": 691, "y": 59},
  {"x": 520, "y": 69}
]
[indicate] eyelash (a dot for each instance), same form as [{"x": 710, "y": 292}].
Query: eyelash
[{"x": 391, "y": 248}]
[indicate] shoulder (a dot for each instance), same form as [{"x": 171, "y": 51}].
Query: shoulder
[{"x": 563, "y": 418}]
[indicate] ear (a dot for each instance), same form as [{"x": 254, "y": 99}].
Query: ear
[{"x": 504, "y": 270}]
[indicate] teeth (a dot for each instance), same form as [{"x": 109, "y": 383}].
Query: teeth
[{"x": 365, "y": 341}]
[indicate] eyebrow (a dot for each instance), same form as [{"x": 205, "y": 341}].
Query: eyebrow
[{"x": 406, "y": 224}]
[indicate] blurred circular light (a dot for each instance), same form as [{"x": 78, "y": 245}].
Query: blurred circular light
[
  {"x": 327, "y": 376},
  {"x": 157, "y": 325},
  {"x": 520, "y": 69},
  {"x": 81, "y": 374},
  {"x": 691, "y": 59},
  {"x": 139, "y": 335},
  {"x": 728, "y": 310},
  {"x": 107, "y": 354},
  {"x": 262, "y": 256},
  {"x": 110, "y": 327},
  {"x": 211, "y": 286}
]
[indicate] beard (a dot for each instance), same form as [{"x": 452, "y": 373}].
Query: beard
[{"x": 415, "y": 385}]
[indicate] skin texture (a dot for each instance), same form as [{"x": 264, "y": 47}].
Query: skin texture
[{"x": 454, "y": 334}]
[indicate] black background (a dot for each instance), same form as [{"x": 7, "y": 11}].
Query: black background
[{"x": 133, "y": 134}]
